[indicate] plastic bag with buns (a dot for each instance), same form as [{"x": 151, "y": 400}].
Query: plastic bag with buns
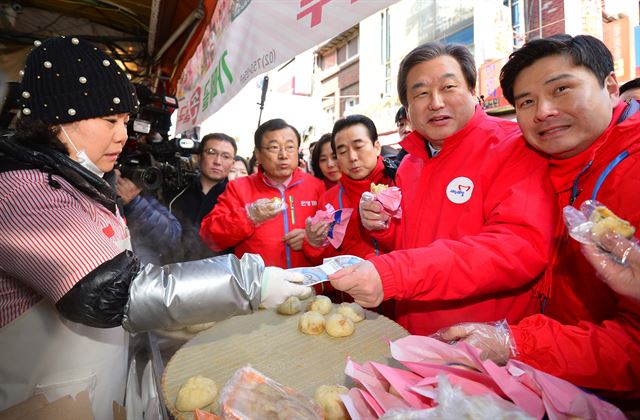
[
  {"x": 593, "y": 220},
  {"x": 251, "y": 395}
]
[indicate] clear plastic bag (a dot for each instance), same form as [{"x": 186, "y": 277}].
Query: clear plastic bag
[
  {"x": 593, "y": 219},
  {"x": 264, "y": 209},
  {"x": 251, "y": 395}
]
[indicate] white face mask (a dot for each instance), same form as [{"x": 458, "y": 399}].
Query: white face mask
[{"x": 82, "y": 158}]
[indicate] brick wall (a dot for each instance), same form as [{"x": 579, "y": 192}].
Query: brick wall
[{"x": 552, "y": 18}]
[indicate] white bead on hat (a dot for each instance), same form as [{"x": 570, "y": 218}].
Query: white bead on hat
[{"x": 84, "y": 84}]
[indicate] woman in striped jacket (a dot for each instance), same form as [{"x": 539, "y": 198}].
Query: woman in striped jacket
[{"x": 68, "y": 280}]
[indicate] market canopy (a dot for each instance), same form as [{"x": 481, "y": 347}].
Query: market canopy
[
  {"x": 245, "y": 38},
  {"x": 202, "y": 51},
  {"x": 153, "y": 39}
]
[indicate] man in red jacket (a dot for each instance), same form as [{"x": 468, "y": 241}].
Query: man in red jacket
[
  {"x": 355, "y": 142},
  {"x": 477, "y": 207},
  {"x": 265, "y": 213},
  {"x": 565, "y": 93}
]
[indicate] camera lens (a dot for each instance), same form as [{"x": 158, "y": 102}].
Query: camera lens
[{"x": 150, "y": 178}]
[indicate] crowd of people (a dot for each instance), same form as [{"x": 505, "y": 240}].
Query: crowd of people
[{"x": 480, "y": 241}]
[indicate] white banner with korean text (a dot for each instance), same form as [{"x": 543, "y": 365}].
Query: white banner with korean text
[{"x": 248, "y": 37}]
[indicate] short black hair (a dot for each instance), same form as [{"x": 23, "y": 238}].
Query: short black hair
[
  {"x": 401, "y": 114},
  {"x": 272, "y": 125},
  {"x": 584, "y": 50},
  {"x": 221, "y": 137},
  {"x": 351, "y": 120},
  {"x": 427, "y": 52},
  {"x": 631, "y": 84},
  {"x": 315, "y": 155}
]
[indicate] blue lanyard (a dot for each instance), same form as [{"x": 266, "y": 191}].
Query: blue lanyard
[
  {"x": 606, "y": 172},
  {"x": 601, "y": 178},
  {"x": 375, "y": 243},
  {"x": 574, "y": 189}
]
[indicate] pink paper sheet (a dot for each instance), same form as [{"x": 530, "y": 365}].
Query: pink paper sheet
[
  {"x": 533, "y": 391},
  {"x": 468, "y": 386},
  {"x": 361, "y": 374},
  {"x": 357, "y": 406},
  {"x": 429, "y": 370},
  {"x": 337, "y": 220},
  {"x": 372, "y": 403},
  {"x": 562, "y": 399},
  {"x": 402, "y": 381},
  {"x": 374, "y": 386},
  {"x": 519, "y": 393},
  {"x": 390, "y": 200},
  {"x": 416, "y": 348}
]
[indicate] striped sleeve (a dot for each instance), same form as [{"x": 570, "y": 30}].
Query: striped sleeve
[{"x": 51, "y": 238}]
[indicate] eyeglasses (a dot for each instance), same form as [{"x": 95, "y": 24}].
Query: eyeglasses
[
  {"x": 274, "y": 150},
  {"x": 214, "y": 154}
]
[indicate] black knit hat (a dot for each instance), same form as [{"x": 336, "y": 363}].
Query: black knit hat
[{"x": 69, "y": 79}]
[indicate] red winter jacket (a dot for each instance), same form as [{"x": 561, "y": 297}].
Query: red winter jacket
[
  {"x": 228, "y": 224},
  {"x": 346, "y": 194},
  {"x": 590, "y": 336},
  {"x": 476, "y": 228}
]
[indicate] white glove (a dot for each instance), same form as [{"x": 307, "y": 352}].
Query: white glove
[{"x": 279, "y": 284}]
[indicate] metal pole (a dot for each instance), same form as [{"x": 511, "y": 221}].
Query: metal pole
[{"x": 263, "y": 97}]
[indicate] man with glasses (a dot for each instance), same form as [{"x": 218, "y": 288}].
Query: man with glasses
[
  {"x": 217, "y": 153},
  {"x": 265, "y": 213}
]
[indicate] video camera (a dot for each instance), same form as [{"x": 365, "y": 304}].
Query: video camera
[{"x": 150, "y": 159}]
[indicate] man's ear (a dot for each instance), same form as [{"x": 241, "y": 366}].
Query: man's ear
[
  {"x": 613, "y": 89},
  {"x": 376, "y": 145}
]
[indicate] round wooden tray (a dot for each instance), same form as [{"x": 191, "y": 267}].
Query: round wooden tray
[{"x": 272, "y": 344}]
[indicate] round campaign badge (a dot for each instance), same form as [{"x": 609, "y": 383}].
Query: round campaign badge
[{"x": 459, "y": 190}]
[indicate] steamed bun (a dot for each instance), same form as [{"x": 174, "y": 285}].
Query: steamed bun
[
  {"x": 339, "y": 326},
  {"x": 312, "y": 323},
  {"x": 353, "y": 311},
  {"x": 196, "y": 392},
  {"x": 328, "y": 397},
  {"x": 290, "y": 306},
  {"x": 321, "y": 304}
]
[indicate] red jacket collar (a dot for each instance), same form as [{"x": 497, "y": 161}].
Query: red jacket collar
[
  {"x": 354, "y": 188},
  {"x": 296, "y": 177},
  {"x": 416, "y": 145},
  {"x": 562, "y": 172}
]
